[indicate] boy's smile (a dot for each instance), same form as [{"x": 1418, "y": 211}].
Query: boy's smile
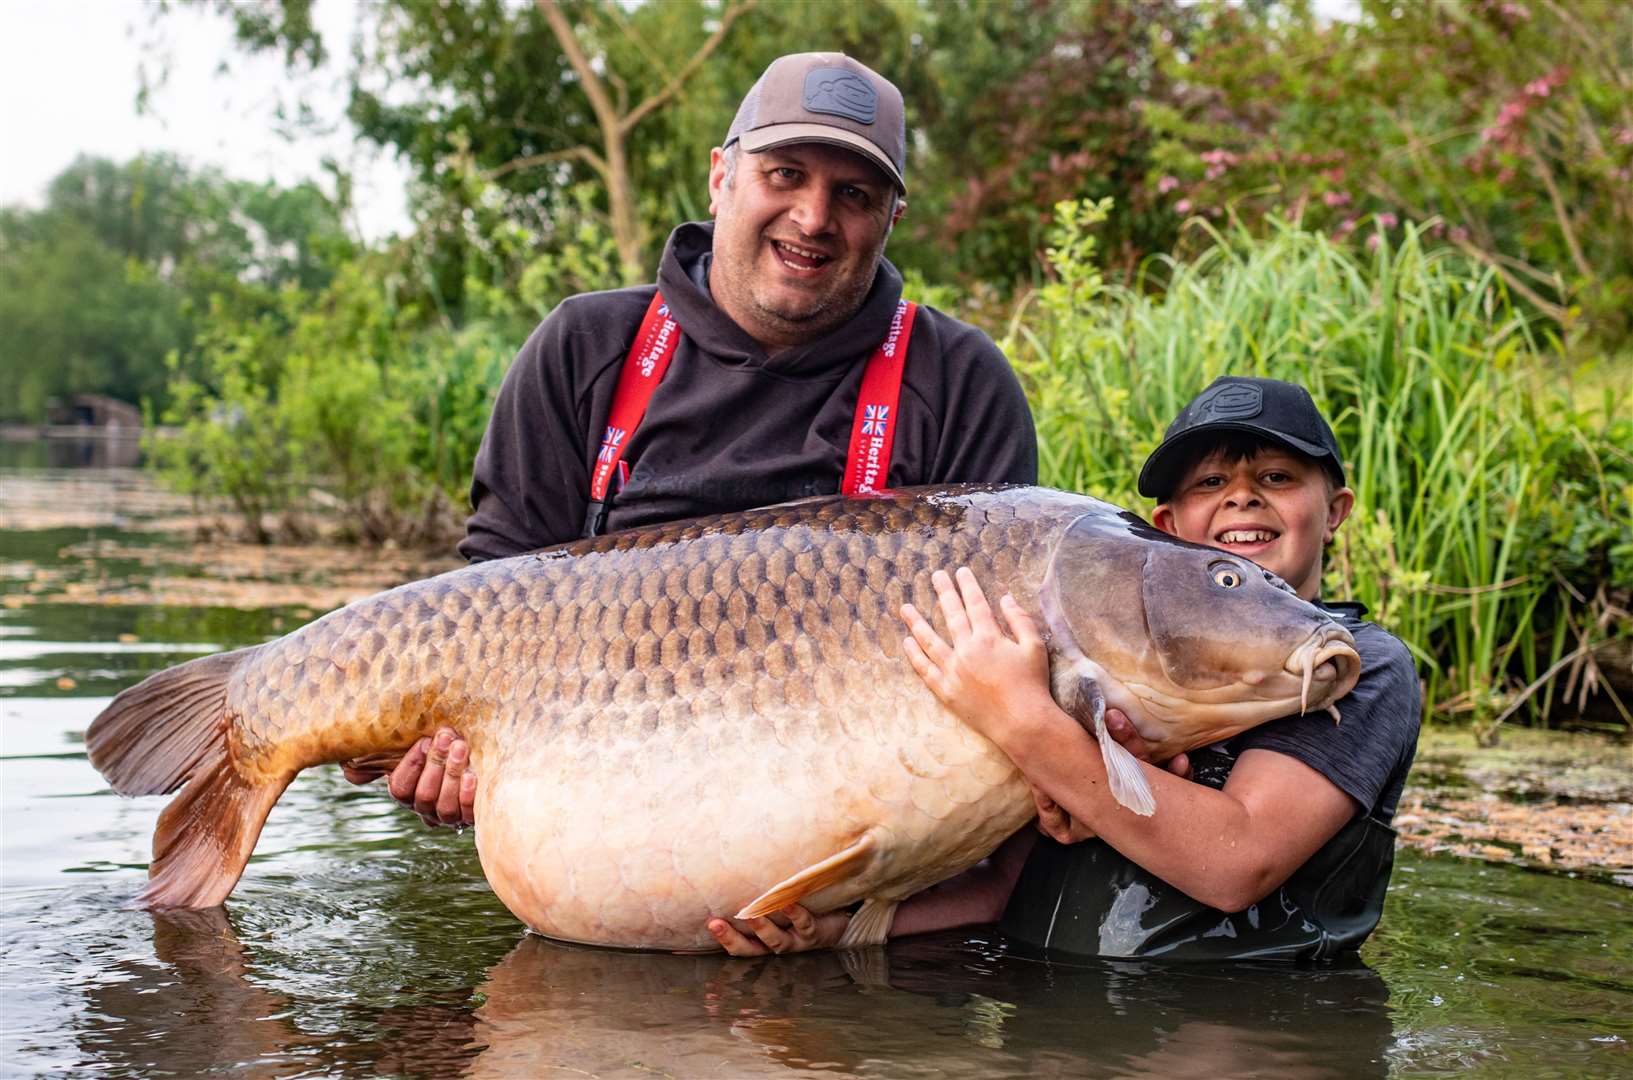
[{"x": 1275, "y": 507}]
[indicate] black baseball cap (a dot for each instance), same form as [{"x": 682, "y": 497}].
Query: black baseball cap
[{"x": 1280, "y": 412}]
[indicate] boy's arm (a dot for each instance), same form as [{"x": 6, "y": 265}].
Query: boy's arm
[{"x": 1226, "y": 848}]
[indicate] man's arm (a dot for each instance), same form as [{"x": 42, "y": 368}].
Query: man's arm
[
  {"x": 986, "y": 434},
  {"x": 530, "y": 483}
]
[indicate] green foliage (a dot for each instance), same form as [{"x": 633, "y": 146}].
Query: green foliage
[
  {"x": 1502, "y": 126},
  {"x": 1491, "y": 505},
  {"x": 361, "y": 397},
  {"x": 79, "y": 317},
  {"x": 115, "y": 272}
]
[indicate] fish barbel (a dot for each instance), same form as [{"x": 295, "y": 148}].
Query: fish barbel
[{"x": 715, "y": 716}]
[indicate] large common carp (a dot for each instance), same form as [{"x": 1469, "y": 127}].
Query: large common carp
[{"x": 715, "y": 716}]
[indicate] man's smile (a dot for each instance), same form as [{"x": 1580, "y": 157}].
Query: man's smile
[{"x": 798, "y": 258}]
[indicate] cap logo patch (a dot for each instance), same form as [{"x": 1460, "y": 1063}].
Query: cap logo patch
[
  {"x": 1229, "y": 402},
  {"x": 838, "y": 92}
]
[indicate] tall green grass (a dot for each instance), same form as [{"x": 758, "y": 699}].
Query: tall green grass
[{"x": 1491, "y": 528}]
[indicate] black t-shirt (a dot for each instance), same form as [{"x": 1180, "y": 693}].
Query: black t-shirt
[
  {"x": 1369, "y": 752},
  {"x": 1089, "y": 899}
]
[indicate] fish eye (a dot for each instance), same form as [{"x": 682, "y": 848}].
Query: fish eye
[{"x": 1227, "y": 576}]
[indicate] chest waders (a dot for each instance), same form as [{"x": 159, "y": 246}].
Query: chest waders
[{"x": 1090, "y": 900}]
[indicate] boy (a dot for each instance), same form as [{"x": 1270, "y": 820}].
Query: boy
[{"x": 1280, "y": 846}]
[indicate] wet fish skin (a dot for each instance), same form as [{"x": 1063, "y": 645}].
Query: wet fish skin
[
  {"x": 668, "y": 722},
  {"x": 767, "y": 644}
]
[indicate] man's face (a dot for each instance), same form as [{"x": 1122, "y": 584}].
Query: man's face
[
  {"x": 1274, "y": 508},
  {"x": 797, "y": 239}
]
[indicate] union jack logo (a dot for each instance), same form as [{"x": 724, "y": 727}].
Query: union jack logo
[
  {"x": 663, "y": 310},
  {"x": 610, "y": 443},
  {"x": 874, "y": 419}
]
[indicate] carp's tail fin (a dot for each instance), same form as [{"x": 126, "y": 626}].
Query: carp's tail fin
[{"x": 168, "y": 730}]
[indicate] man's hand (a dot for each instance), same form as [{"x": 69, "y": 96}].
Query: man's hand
[
  {"x": 433, "y": 779},
  {"x": 1057, "y": 824},
  {"x": 793, "y": 929}
]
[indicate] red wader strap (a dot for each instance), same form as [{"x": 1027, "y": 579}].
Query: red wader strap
[
  {"x": 873, "y": 431},
  {"x": 643, "y": 369}
]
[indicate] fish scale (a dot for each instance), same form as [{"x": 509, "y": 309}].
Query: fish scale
[{"x": 669, "y": 722}]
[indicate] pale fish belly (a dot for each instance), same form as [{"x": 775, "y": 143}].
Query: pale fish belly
[{"x": 638, "y": 844}]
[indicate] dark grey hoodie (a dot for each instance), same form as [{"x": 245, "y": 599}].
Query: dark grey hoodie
[{"x": 729, "y": 427}]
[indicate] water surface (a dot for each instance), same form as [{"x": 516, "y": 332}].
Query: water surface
[{"x": 361, "y": 944}]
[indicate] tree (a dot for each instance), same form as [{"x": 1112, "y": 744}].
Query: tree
[
  {"x": 113, "y": 274},
  {"x": 1507, "y": 123},
  {"x": 617, "y": 121}
]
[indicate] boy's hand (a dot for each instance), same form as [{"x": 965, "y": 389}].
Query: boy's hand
[
  {"x": 796, "y": 931},
  {"x": 988, "y": 679}
]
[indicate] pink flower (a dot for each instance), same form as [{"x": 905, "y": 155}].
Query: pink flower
[
  {"x": 1373, "y": 241},
  {"x": 1183, "y": 206},
  {"x": 1335, "y": 198},
  {"x": 1459, "y": 234},
  {"x": 1386, "y": 220},
  {"x": 1167, "y": 184}
]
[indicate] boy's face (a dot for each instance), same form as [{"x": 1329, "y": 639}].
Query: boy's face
[{"x": 1274, "y": 508}]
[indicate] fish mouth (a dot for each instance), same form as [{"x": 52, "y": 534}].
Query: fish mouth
[{"x": 1328, "y": 663}]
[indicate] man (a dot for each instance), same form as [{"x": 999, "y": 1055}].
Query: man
[{"x": 779, "y": 307}]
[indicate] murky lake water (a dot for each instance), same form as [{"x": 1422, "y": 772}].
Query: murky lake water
[{"x": 361, "y": 944}]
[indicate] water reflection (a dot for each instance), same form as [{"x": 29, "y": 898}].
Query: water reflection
[
  {"x": 941, "y": 1006},
  {"x": 189, "y": 1009},
  {"x": 70, "y": 449}
]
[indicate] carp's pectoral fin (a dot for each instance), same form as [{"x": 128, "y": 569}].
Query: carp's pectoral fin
[
  {"x": 1128, "y": 783},
  {"x": 813, "y": 879},
  {"x": 870, "y": 925}
]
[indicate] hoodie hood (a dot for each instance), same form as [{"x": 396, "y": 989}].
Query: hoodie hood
[{"x": 683, "y": 283}]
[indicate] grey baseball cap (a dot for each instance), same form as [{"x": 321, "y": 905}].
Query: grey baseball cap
[{"x": 825, "y": 98}]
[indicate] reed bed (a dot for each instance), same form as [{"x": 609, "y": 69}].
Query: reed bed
[{"x": 1491, "y": 529}]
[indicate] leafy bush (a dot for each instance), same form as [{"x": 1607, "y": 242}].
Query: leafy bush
[{"x": 344, "y": 399}]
